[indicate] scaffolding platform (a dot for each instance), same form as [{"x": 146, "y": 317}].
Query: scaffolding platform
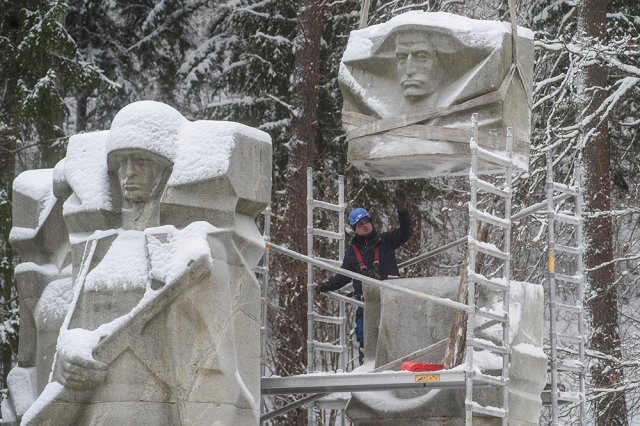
[{"x": 362, "y": 382}]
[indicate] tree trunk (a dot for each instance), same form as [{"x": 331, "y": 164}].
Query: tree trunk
[
  {"x": 81, "y": 113},
  {"x": 291, "y": 327},
  {"x": 603, "y": 304}
]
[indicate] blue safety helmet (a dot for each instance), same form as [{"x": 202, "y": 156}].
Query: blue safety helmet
[{"x": 357, "y": 215}]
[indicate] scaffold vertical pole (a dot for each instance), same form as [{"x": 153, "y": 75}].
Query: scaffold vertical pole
[
  {"x": 471, "y": 286},
  {"x": 569, "y": 274},
  {"x": 310, "y": 288},
  {"x": 342, "y": 304},
  {"x": 476, "y": 280}
]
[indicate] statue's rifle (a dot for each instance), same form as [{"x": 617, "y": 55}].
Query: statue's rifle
[{"x": 59, "y": 402}]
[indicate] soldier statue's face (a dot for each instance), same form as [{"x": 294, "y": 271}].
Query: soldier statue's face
[
  {"x": 138, "y": 173},
  {"x": 416, "y": 61}
]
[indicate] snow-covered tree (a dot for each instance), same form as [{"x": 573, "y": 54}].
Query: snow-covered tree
[
  {"x": 138, "y": 45},
  {"x": 41, "y": 65}
]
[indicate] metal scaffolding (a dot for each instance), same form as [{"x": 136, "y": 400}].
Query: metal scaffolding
[
  {"x": 565, "y": 281},
  {"x": 484, "y": 189},
  {"x": 318, "y": 386}
]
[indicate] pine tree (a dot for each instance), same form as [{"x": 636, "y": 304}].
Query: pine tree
[
  {"x": 139, "y": 46},
  {"x": 40, "y": 67},
  {"x": 576, "y": 97}
]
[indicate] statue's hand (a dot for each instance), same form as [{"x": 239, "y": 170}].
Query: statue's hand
[{"x": 81, "y": 373}]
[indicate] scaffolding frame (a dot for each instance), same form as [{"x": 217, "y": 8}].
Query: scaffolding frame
[
  {"x": 565, "y": 365},
  {"x": 486, "y": 189},
  {"x": 320, "y": 386},
  {"x": 314, "y": 346}
]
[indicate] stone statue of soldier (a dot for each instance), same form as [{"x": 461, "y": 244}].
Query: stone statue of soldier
[{"x": 142, "y": 340}]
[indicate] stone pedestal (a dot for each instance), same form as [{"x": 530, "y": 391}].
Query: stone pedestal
[{"x": 407, "y": 324}]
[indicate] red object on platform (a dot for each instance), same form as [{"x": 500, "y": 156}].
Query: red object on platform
[{"x": 420, "y": 366}]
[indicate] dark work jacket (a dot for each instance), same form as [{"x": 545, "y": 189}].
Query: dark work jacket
[{"x": 389, "y": 242}]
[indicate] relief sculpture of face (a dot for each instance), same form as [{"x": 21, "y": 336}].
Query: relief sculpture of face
[
  {"x": 416, "y": 64},
  {"x": 138, "y": 173}
]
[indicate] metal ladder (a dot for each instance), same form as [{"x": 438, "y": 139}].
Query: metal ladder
[
  {"x": 566, "y": 349},
  {"x": 314, "y": 346},
  {"x": 501, "y": 285}
]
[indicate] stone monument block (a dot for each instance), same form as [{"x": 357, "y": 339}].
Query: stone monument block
[
  {"x": 158, "y": 320},
  {"x": 40, "y": 238},
  {"x": 410, "y": 86},
  {"x": 403, "y": 331}
]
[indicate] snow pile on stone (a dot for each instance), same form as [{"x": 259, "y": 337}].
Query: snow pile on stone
[
  {"x": 199, "y": 150},
  {"x": 36, "y": 186},
  {"x": 152, "y": 126},
  {"x": 85, "y": 169},
  {"x": 471, "y": 32},
  {"x": 205, "y": 147}
]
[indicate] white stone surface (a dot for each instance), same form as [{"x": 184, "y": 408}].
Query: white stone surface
[
  {"x": 40, "y": 239},
  {"x": 160, "y": 321},
  {"x": 407, "y": 324},
  {"x": 422, "y": 61}
]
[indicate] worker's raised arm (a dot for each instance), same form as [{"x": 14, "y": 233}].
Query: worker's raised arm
[{"x": 401, "y": 235}]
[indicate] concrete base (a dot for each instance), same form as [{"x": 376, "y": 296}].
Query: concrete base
[{"x": 408, "y": 324}]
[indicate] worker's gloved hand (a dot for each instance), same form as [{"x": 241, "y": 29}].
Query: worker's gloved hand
[
  {"x": 400, "y": 200},
  {"x": 322, "y": 287}
]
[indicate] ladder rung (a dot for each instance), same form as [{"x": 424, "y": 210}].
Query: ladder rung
[
  {"x": 560, "y": 187},
  {"x": 328, "y": 206},
  {"x": 570, "y": 396},
  {"x": 326, "y": 347},
  {"x": 575, "y": 367},
  {"x": 489, "y": 187},
  {"x": 569, "y": 308},
  {"x": 488, "y": 249},
  {"x": 570, "y": 338},
  {"x": 488, "y": 346},
  {"x": 497, "y": 316},
  {"x": 331, "y": 261},
  {"x": 574, "y": 279},
  {"x": 567, "y": 249},
  {"x": 487, "y": 411},
  {"x": 493, "y": 380},
  {"x": 327, "y": 234},
  {"x": 572, "y": 220},
  {"x": 494, "y": 283},
  {"x": 489, "y": 218},
  {"x": 327, "y": 319},
  {"x": 491, "y": 157}
]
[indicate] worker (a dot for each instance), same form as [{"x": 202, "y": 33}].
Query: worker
[{"x": 370, "y": 254}]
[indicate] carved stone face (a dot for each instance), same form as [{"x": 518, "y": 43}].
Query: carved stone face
[
  {"x": 139, "y": 173},
  {"x": 416, "y": 61}
]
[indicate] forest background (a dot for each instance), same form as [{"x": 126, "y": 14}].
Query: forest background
[{"x": 68, "y": 67}]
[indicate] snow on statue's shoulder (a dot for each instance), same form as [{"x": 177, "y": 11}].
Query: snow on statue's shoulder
[
  {"x": 35, "y": 184},
  {"x": 205, "y": 147},
  {"x": 85, "y": 169},
  {"x": 33, "y": 195}
]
